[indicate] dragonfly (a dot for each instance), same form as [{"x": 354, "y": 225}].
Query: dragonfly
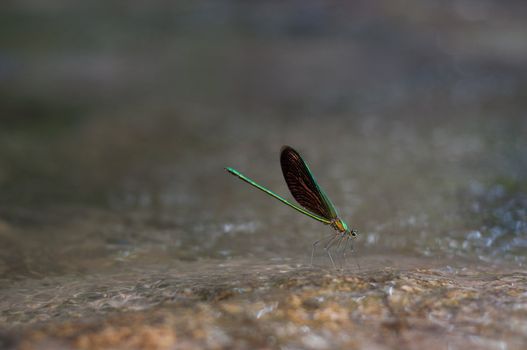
[{"x": 314, "y": 202}]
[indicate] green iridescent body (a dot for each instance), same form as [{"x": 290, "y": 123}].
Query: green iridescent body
[
  {"x": 281, "y": 199},
  {"x": 306, "y": 191}
]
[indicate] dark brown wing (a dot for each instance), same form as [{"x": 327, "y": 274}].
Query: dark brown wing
[{"x": 303, "y": 185}]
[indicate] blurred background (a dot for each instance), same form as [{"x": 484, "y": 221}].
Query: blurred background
[{"x": 117, "y": 118}]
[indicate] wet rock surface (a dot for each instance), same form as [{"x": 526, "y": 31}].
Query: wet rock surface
[{"x": 304, "y": 307}]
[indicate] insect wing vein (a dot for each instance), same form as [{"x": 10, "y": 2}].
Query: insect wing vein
[{"x": 303, "y": 186}]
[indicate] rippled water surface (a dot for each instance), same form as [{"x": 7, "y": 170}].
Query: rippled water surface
[{"x": 113, "y": 193}]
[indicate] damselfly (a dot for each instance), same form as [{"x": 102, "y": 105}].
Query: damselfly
[{"x": 313, "y": 201}]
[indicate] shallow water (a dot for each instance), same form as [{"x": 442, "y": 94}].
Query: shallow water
[{"x": 114, "y": 198}]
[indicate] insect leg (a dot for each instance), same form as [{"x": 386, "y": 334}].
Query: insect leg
[
  {"x": 315, "y": 246},
  {"x": 345, "y": 250},
  {"x": 353, "y": 255},
  {"x": 328, "y": 246},
  {"x": 339, "y": 242}
]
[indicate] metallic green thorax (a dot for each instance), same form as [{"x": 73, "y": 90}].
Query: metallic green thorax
[{"x": 281, "y": 199}]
